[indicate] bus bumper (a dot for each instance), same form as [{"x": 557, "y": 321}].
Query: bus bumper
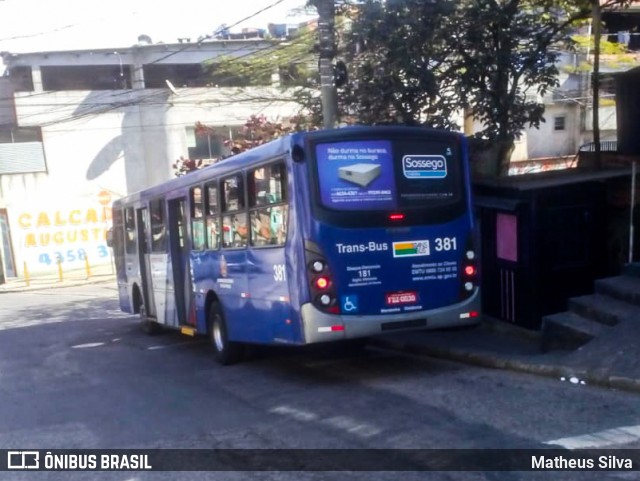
[{"x": 322, "y": 327}]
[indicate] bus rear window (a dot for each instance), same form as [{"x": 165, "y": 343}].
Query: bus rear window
[{"x": 388, "y": 175}]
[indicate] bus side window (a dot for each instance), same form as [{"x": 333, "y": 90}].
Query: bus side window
[
  {"x": 267, "y": 187},
  {"x": 234, "y": 219},
  {"x": 234, "y": 229},
  {"x": 212, "y": 216},
  {"x": 117, "y": 241},
  {"x": 158, "y": 227},
  {"x": 269, "y": 226},
  {"x": 130, "y": 231},
  {"x": 197, "y": 218}
]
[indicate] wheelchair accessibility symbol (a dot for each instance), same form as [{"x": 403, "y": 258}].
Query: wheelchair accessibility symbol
[{"x": 349, "y": 303}]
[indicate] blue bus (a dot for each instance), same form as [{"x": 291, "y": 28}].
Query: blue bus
[{"x": 315, "y": 237}]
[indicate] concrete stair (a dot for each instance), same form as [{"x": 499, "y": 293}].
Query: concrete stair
[{"x": 615, "y": 300}]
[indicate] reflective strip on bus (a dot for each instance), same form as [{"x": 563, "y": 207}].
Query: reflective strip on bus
[{"x": 330, "y": 328}]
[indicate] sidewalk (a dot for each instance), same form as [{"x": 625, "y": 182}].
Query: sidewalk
[
  {"x": 611, "y": 360},
  {"x": 51, "y": 280}
]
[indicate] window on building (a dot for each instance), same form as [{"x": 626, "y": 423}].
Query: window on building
[
  {"x": 559, "y": 122},
  {"x": 20, "y": 134},
  {"x": 267, "y": 202},
  {"x": 205, "y": 145},
  {"x": 234, "y": 219},
  {"x": 21, "y": 150},
  {"x": 209, "y": 143},
  {"x": 21, "y": 78},
  {"x": 221, "y": 78},
  {"x": 180, "y": 75},
  {"x": 86, "y": 77}
]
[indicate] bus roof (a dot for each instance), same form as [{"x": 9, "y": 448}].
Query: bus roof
[
  {"x": 266, "y": 151},
  {"x": 271, "y": 150}
]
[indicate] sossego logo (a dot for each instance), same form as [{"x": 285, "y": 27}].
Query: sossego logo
[{"x": 424, "y": 166}]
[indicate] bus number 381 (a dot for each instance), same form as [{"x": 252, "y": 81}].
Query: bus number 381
[
  {"x": 279, "y": 273},
  {"x": 446, "y": 244}
]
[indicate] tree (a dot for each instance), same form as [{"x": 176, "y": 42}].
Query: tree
[
  {"x": 420, "y": 62},
  {"x": 294, "y": 60},
  {"x": 509, "y": 51},
  {"x": 597, "y": 7},
  {"x": 400, "y": 63}
]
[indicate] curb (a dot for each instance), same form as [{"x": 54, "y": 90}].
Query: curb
[
  {"x": 56, "y": 285},
  {"x": 593, "y": 377}
]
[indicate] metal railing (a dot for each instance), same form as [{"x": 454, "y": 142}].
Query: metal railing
[{"x": 605, "y": 146}]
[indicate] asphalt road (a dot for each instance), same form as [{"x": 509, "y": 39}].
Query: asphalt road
[{"x": 77, "y": 373}]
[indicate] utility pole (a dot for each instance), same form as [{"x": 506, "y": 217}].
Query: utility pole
[
  {"x": 595, "y": 81},
  {"x": 327, "y": 45}
]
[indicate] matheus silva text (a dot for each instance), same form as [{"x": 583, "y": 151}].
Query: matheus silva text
[{"x": 560, "y": 462}]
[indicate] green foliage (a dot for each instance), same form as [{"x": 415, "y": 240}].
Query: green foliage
[
  {"x": 587, "y": 42},
  {"x": 290, "y": 59},
  {"x": 509, "y": 53},
  {"x": 422, "y": 61},
  {"x": 400, "y": 61},
  {"x": 581, "y": 67}
]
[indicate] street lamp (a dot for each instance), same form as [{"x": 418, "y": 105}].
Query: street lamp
[{"x": 122, "y": 83}]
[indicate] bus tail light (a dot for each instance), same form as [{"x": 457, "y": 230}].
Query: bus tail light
[
  {"x": 321, "y": 286},
  {"x": 322, "y": 283},
  {"x": 469, "y": 270}
]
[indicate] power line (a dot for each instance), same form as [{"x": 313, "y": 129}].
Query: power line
[
  {"x": 187, "y": 46},
  {"x": 140, "y": 100},
  {"x": 53, "y": 30},
  {"x": 137, "y": 102},
  {"x": 207, "y": 37}
]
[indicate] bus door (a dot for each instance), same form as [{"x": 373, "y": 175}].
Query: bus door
[
  {"x": 144, "y": 250},
  {"x": 179, "y": 256}
]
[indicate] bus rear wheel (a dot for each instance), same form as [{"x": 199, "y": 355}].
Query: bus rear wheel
[{"x": 226, "y": 351}]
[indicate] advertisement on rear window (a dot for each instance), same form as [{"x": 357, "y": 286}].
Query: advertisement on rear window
[{"x": 356, "y": 175}]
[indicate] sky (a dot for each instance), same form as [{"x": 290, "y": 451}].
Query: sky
[{"x": 48, "y": 25}]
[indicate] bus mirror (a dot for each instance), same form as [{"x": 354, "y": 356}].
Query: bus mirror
[
  {"x": 297, "y": 153},
  {"x": 110, "y": 238}
]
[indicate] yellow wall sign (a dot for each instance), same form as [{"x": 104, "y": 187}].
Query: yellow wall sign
[{"x": 66, "y": 235}]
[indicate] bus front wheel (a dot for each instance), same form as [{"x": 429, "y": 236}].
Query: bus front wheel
[{"x": 226, "y": 352}]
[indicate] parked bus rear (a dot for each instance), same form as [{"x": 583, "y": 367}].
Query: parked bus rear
[{"x": 388, "y": 232}]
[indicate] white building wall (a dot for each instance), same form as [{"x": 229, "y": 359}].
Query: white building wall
[
  {"x": 99, "y": 146},
  {"x": 549, "y": 142}
]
